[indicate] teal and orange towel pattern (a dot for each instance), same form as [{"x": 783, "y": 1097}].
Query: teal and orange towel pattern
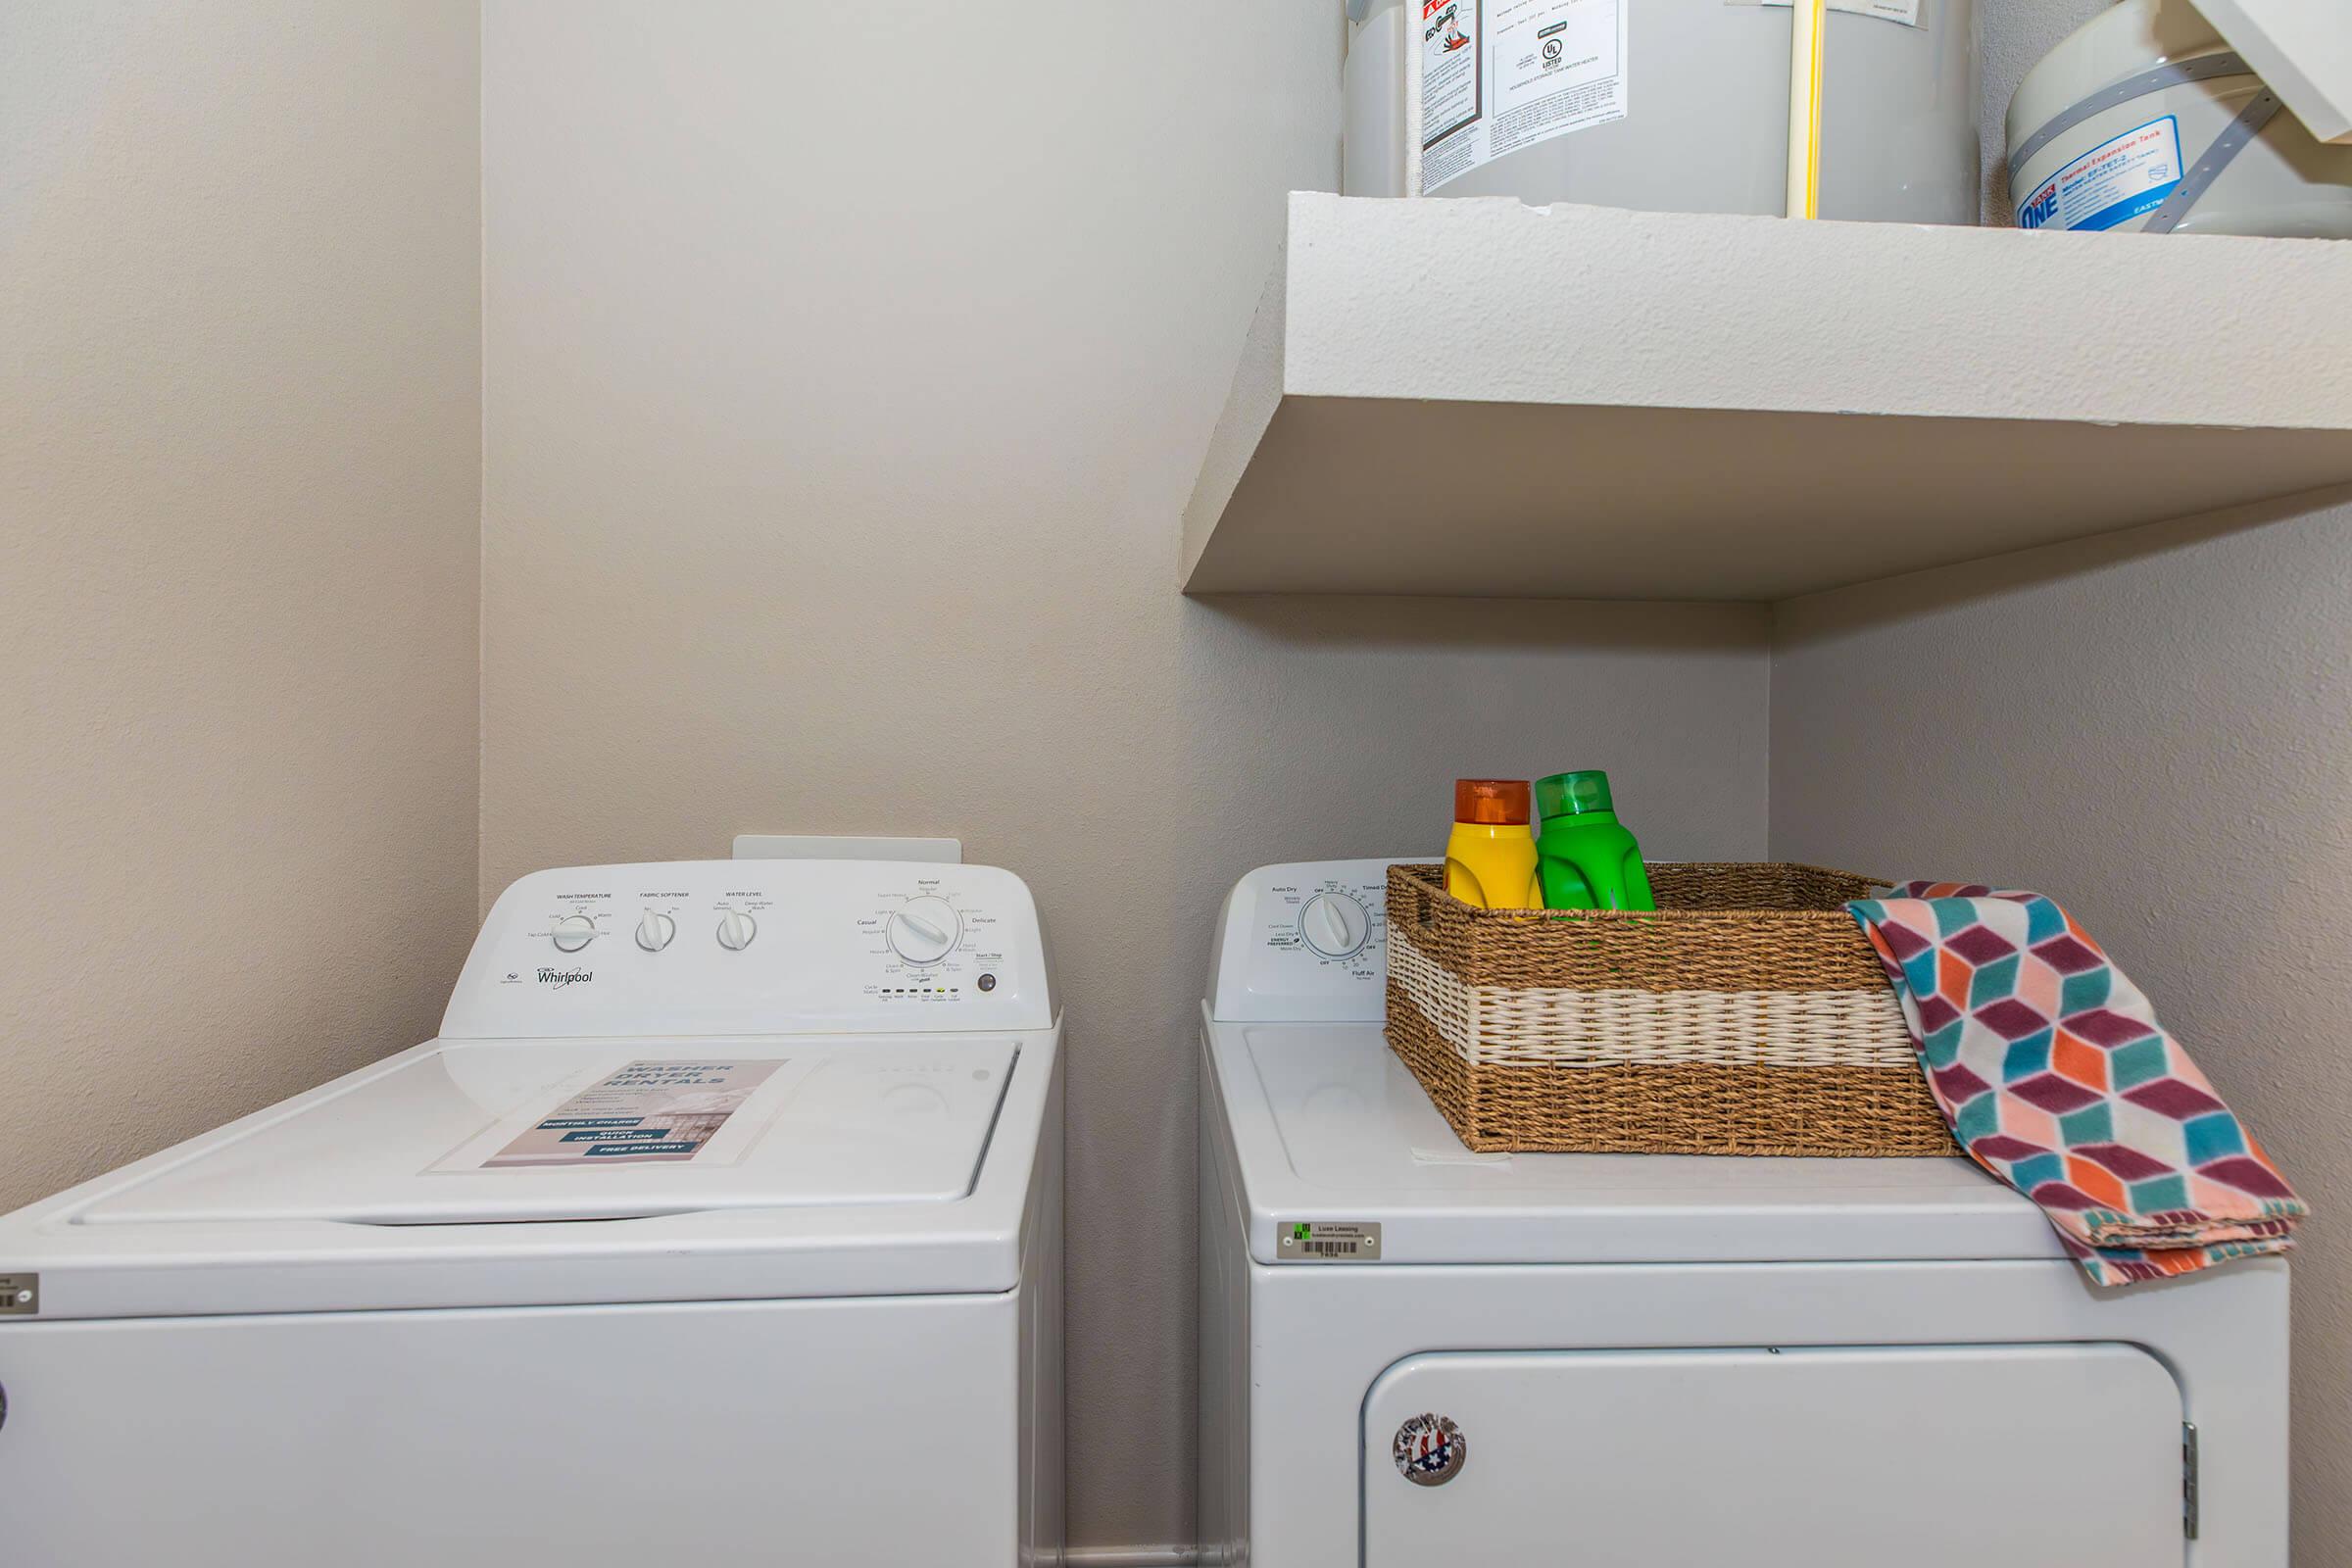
[{"x": 2056, "y": 1077}]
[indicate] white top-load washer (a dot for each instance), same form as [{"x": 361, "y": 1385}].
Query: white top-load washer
[
  {"x": 722, "y": 1225},
  {"x": 1411, "y": 1354}
]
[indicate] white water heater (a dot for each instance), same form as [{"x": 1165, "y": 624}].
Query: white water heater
[
  {"x": 1662, "y": 104},
  {"x": 2145, "y": 119}
]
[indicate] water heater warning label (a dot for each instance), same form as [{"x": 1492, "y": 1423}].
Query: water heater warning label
[{"x": 1500, "y": 74}]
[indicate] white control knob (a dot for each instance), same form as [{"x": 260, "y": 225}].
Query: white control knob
[
  {"x": 1335, "y": 925},
  {"x": 924, "y": 930},
  {"x": 574, "y": 932},
  {"x": 736, "y": 930},
  {"x": 655, "y": 931}
]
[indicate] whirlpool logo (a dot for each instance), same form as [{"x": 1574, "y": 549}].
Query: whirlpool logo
[{"x": 560, "y": 978}]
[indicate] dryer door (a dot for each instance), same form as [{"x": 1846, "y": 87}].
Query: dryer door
[{"x": 2025, "y": 1455}]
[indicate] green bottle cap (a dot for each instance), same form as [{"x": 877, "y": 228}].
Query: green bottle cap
[{"x": 1574, "y": 793}]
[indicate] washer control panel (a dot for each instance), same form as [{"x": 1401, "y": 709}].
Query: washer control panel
[
  {"x": 935, "y": 945},
  {"x": 757, "y": 947},
  {"x": 1303, "y": 943}
]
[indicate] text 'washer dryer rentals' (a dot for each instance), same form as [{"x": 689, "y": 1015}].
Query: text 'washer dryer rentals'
[
  {"x": 721, "y": 1226},
  {"x": 1413, "y": 1355}
]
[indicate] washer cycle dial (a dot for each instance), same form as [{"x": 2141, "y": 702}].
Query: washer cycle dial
[
  {"x": 1335, "y": 925},
  {"x": 655, "y": 931},
  {"x": 736, "y": 930},
  {"x": 924, "y": 930},
  {"x": 572, "y": 932}
]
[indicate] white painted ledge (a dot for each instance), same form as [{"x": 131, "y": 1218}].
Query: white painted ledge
[{"x": 1481, "y": 398}]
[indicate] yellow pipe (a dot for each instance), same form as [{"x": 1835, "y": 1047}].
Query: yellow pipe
[{"x": 1809, "y": 23}]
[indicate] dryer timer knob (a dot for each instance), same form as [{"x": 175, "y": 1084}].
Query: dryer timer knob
[
  {"x": 736, "y": 930},
  {"x": 1335, "y": 925}
]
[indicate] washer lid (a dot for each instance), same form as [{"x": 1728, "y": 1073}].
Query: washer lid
[
  {"x": 1328, "y": 1126},
  {"x": 462, "y": 1133}
]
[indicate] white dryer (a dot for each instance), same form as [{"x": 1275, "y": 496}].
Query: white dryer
[
  {"x": 1410, "y": 1354},
  {"x": 722, "y": 1225}
]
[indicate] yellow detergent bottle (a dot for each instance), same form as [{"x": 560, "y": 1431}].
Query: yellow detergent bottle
[{"x": 1491, "y": 858}]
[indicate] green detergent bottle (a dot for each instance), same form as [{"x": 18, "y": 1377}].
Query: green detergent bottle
[{"x": 1588, "y": 860}]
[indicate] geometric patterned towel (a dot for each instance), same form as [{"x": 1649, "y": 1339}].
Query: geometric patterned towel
[{"x": 2056, "y": 1077}]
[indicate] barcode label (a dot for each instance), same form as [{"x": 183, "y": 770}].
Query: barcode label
[{"x": 1328, "y": 1240}]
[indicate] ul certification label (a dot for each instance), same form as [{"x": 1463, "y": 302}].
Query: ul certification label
[
  {"x": 1428, "y": 1450},
  {"x": 1500, "y": 74}
]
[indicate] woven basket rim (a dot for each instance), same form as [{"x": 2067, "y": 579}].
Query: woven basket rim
[{"x": 1431, "y": 877}]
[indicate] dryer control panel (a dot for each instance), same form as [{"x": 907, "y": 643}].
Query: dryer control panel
[
  {"x": 1304, "y": 943},
  {"x": 756, "y": 947}
]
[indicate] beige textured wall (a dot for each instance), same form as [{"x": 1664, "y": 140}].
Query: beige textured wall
[
  {"x": 845, "y": 387},
  {"x": 239, "y": 459},
  {"x": 2156, "y": 729}
]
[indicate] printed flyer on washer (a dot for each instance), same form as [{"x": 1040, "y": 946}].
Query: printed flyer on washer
[
  {"x": 645, "y": 1113},
  {"x": 1500, "y": 74}
]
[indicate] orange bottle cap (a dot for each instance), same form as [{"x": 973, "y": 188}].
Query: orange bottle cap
[{"x": 1491, "y": 801}]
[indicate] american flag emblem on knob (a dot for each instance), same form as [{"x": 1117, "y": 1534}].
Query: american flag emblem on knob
[{"x": 1428, "y": 1450}]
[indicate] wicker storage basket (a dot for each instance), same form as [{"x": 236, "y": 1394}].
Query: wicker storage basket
[{"x": 1747, "y": 1016}]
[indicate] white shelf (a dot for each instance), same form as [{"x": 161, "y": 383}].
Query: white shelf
[
  {"x": 2299, "y": 47},
  {"x": 1480, "y": 398}
]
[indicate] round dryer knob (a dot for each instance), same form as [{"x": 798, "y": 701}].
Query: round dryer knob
[
  {"x": 736, "y": 930},
  {"x": 574, "y": 932},
  {"x": 1335, "y": 925},
  {"x": 924, "y": 930},
  {"x": 655, "y": 931}
]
